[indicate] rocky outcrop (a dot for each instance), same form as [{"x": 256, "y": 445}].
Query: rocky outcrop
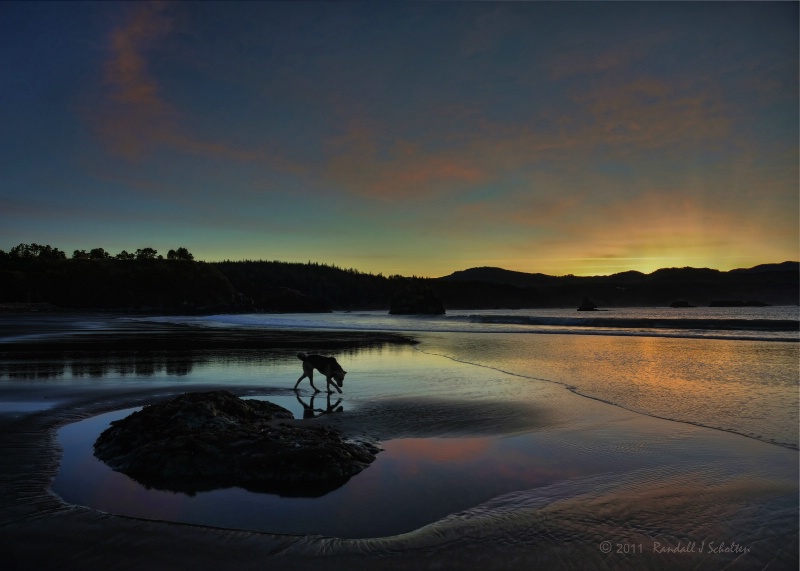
[
  {"x": 415, "y": 301},
  {"x": 204, "y": 441}
]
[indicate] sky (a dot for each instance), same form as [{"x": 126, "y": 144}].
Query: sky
[{"x": 405, "y": 137}]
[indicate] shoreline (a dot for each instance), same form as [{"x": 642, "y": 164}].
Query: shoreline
[
  {"x": 105, "y": 332},
  {"x": 41, "y": 531}
]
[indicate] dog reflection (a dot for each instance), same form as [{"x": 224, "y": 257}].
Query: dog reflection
[{"x": 310, "y": 412}]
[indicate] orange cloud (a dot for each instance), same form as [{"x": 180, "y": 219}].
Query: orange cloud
[
  {"x": 646, "y": 113},
  {"x": 608, "y": 120},
  {"x": 359, "y": 165},
  {"x": 132, "y": 113},
  {"x": 132, "y": 116},
  {"x": 127, "y": 71}
]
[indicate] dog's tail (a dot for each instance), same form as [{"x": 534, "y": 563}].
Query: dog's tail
[{"x": 302, "y": 356}]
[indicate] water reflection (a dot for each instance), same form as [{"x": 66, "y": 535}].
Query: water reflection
[
  {"x": 31, "y": 370},
  {"x": 96, "y": 365},
  {"x": 202, "y": 441},
  {"x": 413, "y": 482},
  {"x": 310, "y": 412},
  {"x": 138, "y": 363},
  {"x": 741, "y": 386}
]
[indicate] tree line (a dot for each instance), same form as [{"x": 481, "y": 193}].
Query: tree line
[
  {"x": 47, "y": 252},
  {"x": 94, "y": 279},
  {"x": 142, "y": 281}
]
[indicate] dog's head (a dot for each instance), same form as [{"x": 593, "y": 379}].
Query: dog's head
[{"x": 338, "y": 376}]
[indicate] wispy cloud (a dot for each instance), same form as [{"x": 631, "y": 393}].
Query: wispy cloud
[
  {"x": 401, "y": 169},
  {"x": 618, "y": 58},
  {"x": 649, "y": 113},
  {"x": 131, "y": 113},
  {"x": 600, "y": 120}
]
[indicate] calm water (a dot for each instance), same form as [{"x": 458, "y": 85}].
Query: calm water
[
  {"x": 734, "y": 369},
  {"x": 746, "y": 323},
  {"x": 496, "y": 421}
]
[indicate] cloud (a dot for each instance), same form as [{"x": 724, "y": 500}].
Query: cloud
[
  {"x": 131, "y": 114},
  {"x": 617, "y": 59},
  {"x": 127, "y": 70},
  {"x": 602, "y": 120},
  {"x": 360, "y": 163},
  {"x": 648, "y": 113}
]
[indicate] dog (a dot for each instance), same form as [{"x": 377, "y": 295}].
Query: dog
[{"x": 325, "y": 365}]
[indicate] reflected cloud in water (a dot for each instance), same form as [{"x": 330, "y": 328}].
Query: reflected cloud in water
[{"x": 414, "y": 481}]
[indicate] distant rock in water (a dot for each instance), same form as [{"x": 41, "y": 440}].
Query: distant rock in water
[
  {"x": 587, "y": 305},
  {"x": 416, "y": 301},
  {"x": 203, "y": 441},
  {"x": 680, "y": 303}
]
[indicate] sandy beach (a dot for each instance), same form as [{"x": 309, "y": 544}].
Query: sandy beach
[{"x": 539, "y": 477}]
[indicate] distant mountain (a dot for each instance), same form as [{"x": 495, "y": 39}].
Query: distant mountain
[
  {"x": 522, "y": 279},
  {"x": 187, "y": 286},
  {"x": 773, "y": 284},
  {"x": 488, "y": 274},
  {"x": 782, "y": 267}
]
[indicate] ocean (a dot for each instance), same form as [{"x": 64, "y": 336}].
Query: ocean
[
  {"x": 732, "y": 369},
  {"x": 630, "y": 438}
]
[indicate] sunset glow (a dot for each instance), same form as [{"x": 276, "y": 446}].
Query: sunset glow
[{"x": 410, "y": 138}]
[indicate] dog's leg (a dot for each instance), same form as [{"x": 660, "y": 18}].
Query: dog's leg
[
  {"x": 311, "y": 380},
  {"x": 308, "y": 371},
  {"x": 330, "y": 384}
]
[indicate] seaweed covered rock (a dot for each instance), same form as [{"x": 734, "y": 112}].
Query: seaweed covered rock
[{"x": 209, "y": 440}]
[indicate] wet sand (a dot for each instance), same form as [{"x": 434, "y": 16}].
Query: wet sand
[{"x": 562, "y": 526}]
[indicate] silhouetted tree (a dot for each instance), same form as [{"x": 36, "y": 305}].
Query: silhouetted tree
[
  {"x": 80, "y": 255},
  {"x": 146, "y": 254},
  {"x": 180, "y": 254},
  {"x": 34, "y": 250},
  {"x": 125, "y": 256},
  {"x": 99, "y": 254}
]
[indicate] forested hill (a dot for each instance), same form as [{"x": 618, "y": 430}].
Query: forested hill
[
  {"x": 43, "y": 278},
  {"x": 522, "y": 279},
  {"x": 773, "y": 284}
]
